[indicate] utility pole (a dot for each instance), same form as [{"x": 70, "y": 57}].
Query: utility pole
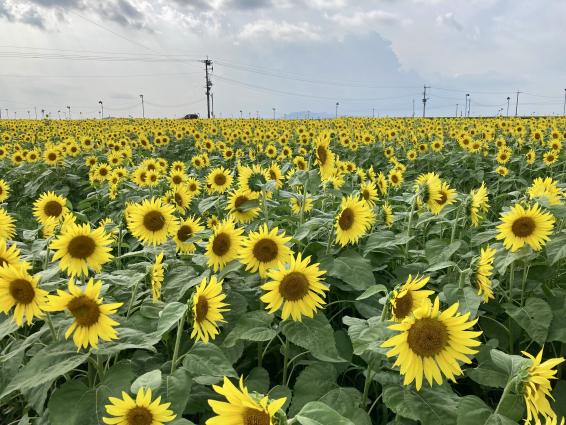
[
  {"x": 29, "y": 116},
  {"x": 241, "y": 114},
  {"x": 456, "y": 111},
  {"x": 69, "y": 109},
  {"x": 469, "y": 105},
  {"x": 413, "y": 108},
  {"x": 207, "y": 62},
  {"x": 143, "y": 108},
  {"x": 42, "y": 113},
  {"x": 517, "y": 104},
  {"x": 273, "y": 113},
  {"x": 212, "y": 101},
  {"x": 424, "y": 99},
  {"x": 564, "y": 111},
  {"x": 463, "y": 113},
  {"x": 102, "y": 108},
  {"x": 508, "y": 99},
  {"x": 337, "y": 105},
  {"x": 59, "y": 113},
  {"x": 373, "y": 112}
]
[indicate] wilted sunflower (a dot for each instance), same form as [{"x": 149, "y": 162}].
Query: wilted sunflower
[
  {"x": 49, "y": 207},
  {"x": 157, "y": 278},
  {"x": 4, "y": 190},
  {"x": 224, "y": 245},
  {"x": 484, "y": 269},
  {"x": 141, "y": 411},
  {"x": 187, "y": 229},
  {"x": 20, "y": 289},
  {"x": 239, "y": 205},
  {"x": 264, "y": 249},
  {"x": 207, "y": 306},
  {"x": 447, "y": 197},
  {"x": 296, "y": 203},
  {"x": 430, "y": 343},
  {"x": 409, "y": 297},
  {"x": 243, "y": 408},
  {"x": 478, "y": 203},
  {"x": 520, "y": 226},
  {"x": 152, "y": 221},
  {"x": 353, "y": 221},
  {"x": 218, "y": 180},
  {"x": 297, "y": 287},
  {"x": 79, "y": 247},
  {"x": 537, "y": 389},
  {"x": 547, "y": 189},
  {"x": 92, "y": 321}
]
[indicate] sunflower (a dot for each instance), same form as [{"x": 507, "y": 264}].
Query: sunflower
[
  {"x": 537, "y": 389},
  {"x": 92, "y": 321},
  {"x": 79, "y": 247},
  {"x": 193, "y": 186},
  {"x": 177, "y": 177},
  {"x": 152, "y": 221},
  {"x": 141, "y": 411},
  {"x": 395, "y": 177},
  {"x": 297, "y": 287},
  {"x": 218, "y": 180},
  {"x": 447, "y": 197},
  {"x": 7, "y": 227},
  {"x": 428, "y": 188},
  {"x": 207, "y": 306},
  {"x": 297, "y": 202},
  {"x": 409, "y": 297},
  {"x": 368, "y": 192},
  {"x": 242, "y": 408},
  {"x": 550, "y": 157},
  {"x": 187, "y": 229},
  {"x": 547, "y": 189},
  {"x": 4, "y": 190},
  {"x": 253, "y": 178},
  {"x": 264, "y": 249},
  {"x": 237, "y": 208},
  {"x": 11, "y": 256},
  {"x": 430, "y": 343},
  {"x": 382, "y": 184},
  {"x": 531, "y": 156},
  {"x": 478, "y": 203},
  {"x": 224, "y": 245},
  {"x": 180, "y": 197},
  {"x": 522, "y": 226},
  {"x": 49, "y": 207},
  {"x": 502, "y": 171},
  {"x": 353, "y": 221},
  {"x": 324, "y": 156},
  {"x": 484, "y": 269},
  {"x": 276, "y": 175},
  {"x": 387, "y": 214},
  {"x": 19, "y": 289},
  {"x": 157, "y": 278}
]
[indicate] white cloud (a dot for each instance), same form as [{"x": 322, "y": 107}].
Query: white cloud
[
  {"x": 279, "y": 31},
  {"x": 363, "y": 21},
  {"x": 449, "y": 20}
]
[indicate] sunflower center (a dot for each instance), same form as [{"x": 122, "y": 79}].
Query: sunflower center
[
  {"x": 52, "y": 157},
  {"x": 22, "y": 291},
  {"x": 193, "y": 187},
  {"x": 139, "y": 416},
  {"x": 220, "y": 179},
  {"x": 178, "y": 199},
  {"x": 177, "y": 179},
  {"x": 265, "y": 250},
  {"x": 365, "y": 194},
  {"x": 154, "y": 221},
  {"x": 322, "y": 155},
  {"x": 201, "y": 309},
  {"x": 272, "y": 175},
  {"x": 427, "y": 337},
  {"x": 346, "y": 219},
  {"x": 53, "y": 209},
  {"x": 3, "y": 261},
  {"x": 240, "y": 200},
  {"x": 394, "y": 178},
  {"x": 221, "y": 244},
  {"x": 523, "y": 227},
  {"x": 184, "y": 233},
  {"x": 443, "y": 198},
  {"x": 256, "y": 417},
  {"x": 85, "y": 310},
  {"x": 294, "y": 286},
  {"x": 403, "y": 306},
  {"x": 81, "y": 246}
]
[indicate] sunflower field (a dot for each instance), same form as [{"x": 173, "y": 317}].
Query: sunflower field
[{"x": 267, "y": 272}]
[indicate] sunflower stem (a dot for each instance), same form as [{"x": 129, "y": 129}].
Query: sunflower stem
[
  {"x": 524, "y": 282},
  {"x": 132, "y": 299},
  {"x": 409, "y": 222},
  {"x": 367, "y": 384},
  {"x": 51, "y": 328},
  {"x": 264, "y": 205},
  {"x": 506, "y": 391},
  {"x": 180, "y": 329},
  {"x": 455, "y": 224},
  {"x": 285, "y": 361}
]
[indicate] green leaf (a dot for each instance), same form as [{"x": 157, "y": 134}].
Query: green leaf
[
  {"x": 176, "y": 389},
  {"x": 151, "y": 379},
  {"x": 367, "y": 335},
  {"x": 441, "y": 266},
  {"x": 315, "y": 335},
  {"x": 371, "y": 291},
  {"x": 385, "y": 240},
  {"x": 312, "y": 383},
  {"x": 351, "y": 268},
  {"x": 258, "y": 380},
  {"x": 208, "y": 364},
  {"x": 557, "y": 328},
  {"x": 346, "y": 402},
  {"x": 556, "y": 249},
  {"x": 430, "y": 406},
  {"x": 473, "y": 411},
  {"x": 208, "y": 203},
  {"x": 467, "y": 297},
  {"x": 252, "y": 326},
  {"x": 508, "y": 363},
  {"x": 535, "y": 318},
  {"x": 318, "y": 413},
  {"x": 46, "y": 365}
]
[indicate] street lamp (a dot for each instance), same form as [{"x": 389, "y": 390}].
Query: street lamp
[
  {"x": 59, "y": 113},
  {"x": 29, "y": 115},
  {"x": 102, "y": 108},
  {"x": 69, "y": 109},
  {"x": 337, "y": 105},
  {"x": 143, "y": 108},
  {"x": 273, "y": 113},
  {"x": 508, "y": 99},
  {"x": 241, "y": 114},
  {"x": 466, "y": 104}
]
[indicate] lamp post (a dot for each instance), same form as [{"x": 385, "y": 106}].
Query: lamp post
[
  {"x": 466, "y": 104},
  {"x": 273, "y": 113},
  {"x": 59, "y": 113},
  {"x": 241, "y": 114},
  {"x": 143, "y": 108},
  {"x": 102, "y": 108},
  {"x": 508, "y": 99},
  {"x": 69, "y": 109},
  {"x": 337, "y": 105}
]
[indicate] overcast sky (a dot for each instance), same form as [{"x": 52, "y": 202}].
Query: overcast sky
[{"x": 292, "y": 55}]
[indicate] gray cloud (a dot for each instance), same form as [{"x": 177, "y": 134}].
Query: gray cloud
[
  {"x": 248, "y": 4},
  {"x": 34, "y": 18},
  {"x": 122, "y": 12}
]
